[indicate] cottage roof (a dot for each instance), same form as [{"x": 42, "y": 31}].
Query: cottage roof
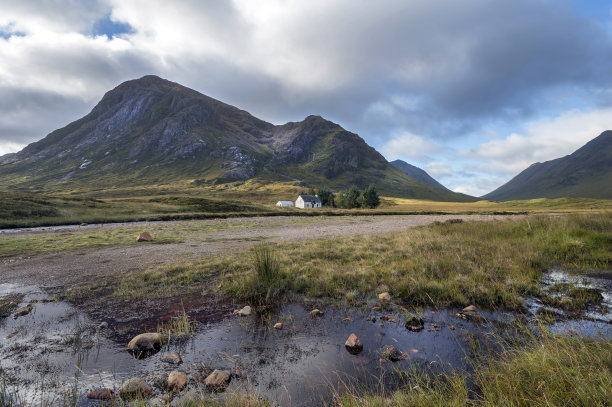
[{"x": 310, "y": 198}]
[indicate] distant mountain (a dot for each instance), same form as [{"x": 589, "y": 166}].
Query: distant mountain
[
  {"x": 417, "y": 173},
  {"x": 586, "y": 173},
  {"x": 151, "y": 131}
]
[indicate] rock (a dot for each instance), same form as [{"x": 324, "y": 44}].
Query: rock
[
  {"x": 384, "y": 297},
  {"x": 146, "y": 342},
  {"x": 218, "y": 379},
  {"x": 135, "y": 388},
  {"x": 103, "y": 325},
  {"x": 470, "y": 308},
  {"x": 353, "y": 344},
  {"x": 177, "y": 380},
  {"x": 173, "y": 358},
  {"x": 316, "y": 312},
  {"x": 392, "y": 353},
  {"x": 347, "y": 319},
  {"x": 434, "y": 328},
  {"x": 388, "y": 318},
  {"x": 144, "y": 237},
  {"x": 452, "y": 328},
  {"x": 102, "y": 394},
  {"x": 278, "y": 325},
  {"x": 372, "y": 319},
  {"x": 245, "y": 312},
  {"x": 20, "y": 312},
  {"x": 415, "y": 324}
]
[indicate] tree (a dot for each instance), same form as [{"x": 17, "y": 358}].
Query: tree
[
  {"x": 351, "y": 198},
  {"x": 370, "y": 198},
  {"x": 310, "y": 191},
  {"x": 326, "y": 197}
]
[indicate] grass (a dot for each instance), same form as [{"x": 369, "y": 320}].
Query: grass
[
  {"x": 489, "y": 264},
  {"x": 552, "y": 370},
  {"x": 177, "y": 329}
]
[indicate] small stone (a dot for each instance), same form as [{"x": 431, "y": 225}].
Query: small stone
[
  {"x": 146, "y": 342},
  {"x": 102, "y": 394},
  {"x": 353, "y": 344},
  {"x": 177, "y": 380},
  {"x": 144, "y": 237},
  {"x": 372, "y": 319},
  {"x": 470, "y": 308},
  {"x": 384, "y": 297},
  {"x": 23, "y": 311},
  {"x": 245, "y": 312},
  {"x": 239, "y": 372},
  {"x": 135, "y": 388},
  {"x": 347, "y": 319},
  {"x": 451, "y": 327},
  {"x": 278, "y": 325},
  {"x": 392, "y": 353},
  {"x": 173, "y": 358},
  {"x": 388, "y": 318},
  {"x": 103, "y": 325},
  {"x": 414, "y": 324},
  {"x": 316, "y": 312},
  {"x": 414, "y": 350},
  {"x": 381, "y": 325},
  {"x": 218, "y": 379}
]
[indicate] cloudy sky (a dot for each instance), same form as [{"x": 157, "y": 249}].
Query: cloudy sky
[{"x": 473, "y": 91}]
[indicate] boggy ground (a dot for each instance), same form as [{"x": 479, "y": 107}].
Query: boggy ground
[{"x": 445, "y": 264}]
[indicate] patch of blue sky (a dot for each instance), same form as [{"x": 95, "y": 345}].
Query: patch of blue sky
[
  {"x": 9, "y": 31},
  {"x": 106, "y": 26},
  {"x": 599, "y": 9}
]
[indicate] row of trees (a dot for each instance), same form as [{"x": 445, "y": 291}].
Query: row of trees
[{"x": 351, "y": 198}]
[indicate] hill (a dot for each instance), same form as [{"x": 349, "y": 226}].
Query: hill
[
  {"x": 586, "y": 173},
  {"x": 416, "y": 173},
  {"x": 151, "y": 131}
]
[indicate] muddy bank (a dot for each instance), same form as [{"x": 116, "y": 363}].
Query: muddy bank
[{"x": 56, "y": 353}]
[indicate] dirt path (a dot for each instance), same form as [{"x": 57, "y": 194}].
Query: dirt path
[{"x": 70, "y": 267}]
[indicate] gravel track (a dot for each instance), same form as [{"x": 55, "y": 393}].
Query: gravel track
[{"x": 71, "y": 267}]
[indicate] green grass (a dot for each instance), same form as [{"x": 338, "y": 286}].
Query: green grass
[
  {"x": 552, "y": 370},
  {"x": 177, "y": 329},
  {"x": 490, "y": 264}
]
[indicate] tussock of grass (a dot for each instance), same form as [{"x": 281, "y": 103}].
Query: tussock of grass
[
  {"x": 552, "y": 371},
  {"x": 489, "y": 264},
  {"x": 177, "y": 329}
]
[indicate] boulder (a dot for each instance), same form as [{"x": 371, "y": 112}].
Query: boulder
[
  {"x": 135, "y": 388},
  {"x": 392, "y": 353},
  {"x": 245, "y": 312},
  {"x": 384, "y": 297},
  {"x": 218, "y": 379},
  {"x": 144, "y": 237},
  {"x": 177, "y": 380},
  {"x": 173, "y": 358},
  {"x": 353, "y": 344},
  {"x": 414, "y": 324},
  {"x": 102, "y": 394},
  {"x": 278, "y": 325},
  {"x": 146, "y": 342}
]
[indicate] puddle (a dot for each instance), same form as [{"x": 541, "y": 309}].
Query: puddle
[
  {"x": 594, "y": 319},
  {"x": 55, "y": 350}
]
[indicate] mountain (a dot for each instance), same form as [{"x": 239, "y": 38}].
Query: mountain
[
  {"x": 416, "y": 173},
  {"x": 151, "y": 131},
  {"x": 586, "y": 173}
]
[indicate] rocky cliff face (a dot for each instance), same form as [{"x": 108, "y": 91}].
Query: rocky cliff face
[{"x": 153, "y": 131}]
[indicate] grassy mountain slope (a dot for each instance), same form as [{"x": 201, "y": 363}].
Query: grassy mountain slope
[
  {"x": 151, "y": 131},
  {"x": 416, "y": 173},
  {"x": 586, "y": 173}
]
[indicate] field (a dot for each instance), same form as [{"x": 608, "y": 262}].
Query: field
[{"x": 490, "y": 255}]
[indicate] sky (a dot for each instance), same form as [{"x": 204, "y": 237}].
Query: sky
[{"x": 472, "y": 91}]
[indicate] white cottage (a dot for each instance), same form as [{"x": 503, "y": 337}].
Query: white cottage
[
  {"x": 284, "y": 203},
  {"x": 308, "y": 201}
]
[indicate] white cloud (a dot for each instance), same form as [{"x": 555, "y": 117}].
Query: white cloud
[
  {"x": 9, "y": 147},
  {"x": 544, "y": 140},
  {"x": 407, "y": 145},
  {"x": 438, "y": 169}
]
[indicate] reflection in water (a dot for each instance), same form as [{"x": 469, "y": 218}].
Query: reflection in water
[{"x": 301, "y": 364}]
